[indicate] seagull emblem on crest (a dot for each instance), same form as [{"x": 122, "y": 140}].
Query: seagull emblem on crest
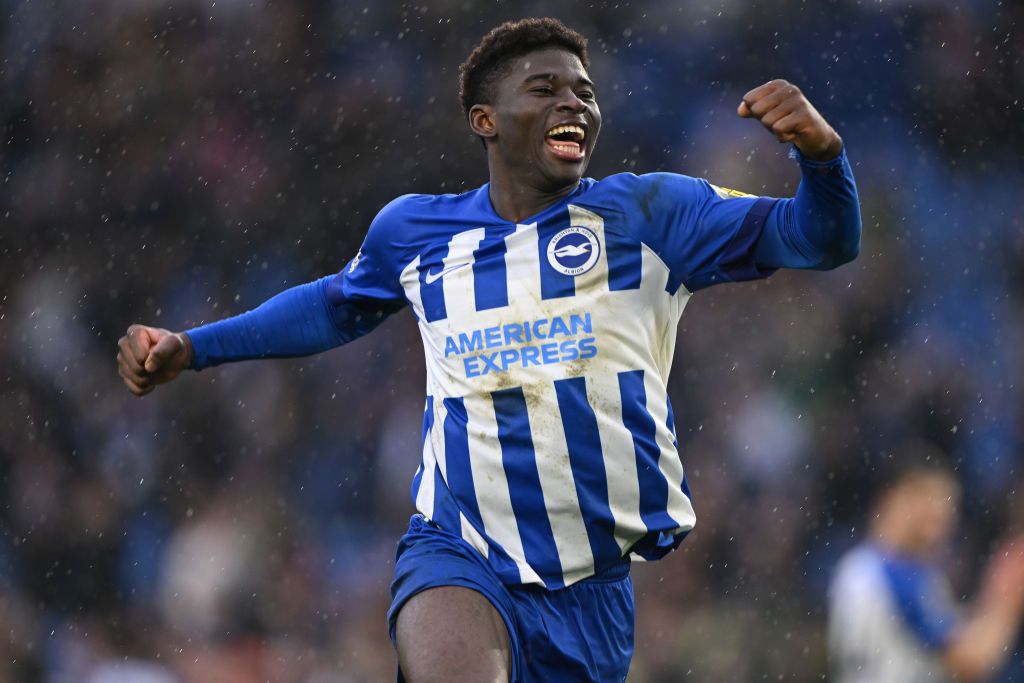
[{"x": 573, "y": 250}]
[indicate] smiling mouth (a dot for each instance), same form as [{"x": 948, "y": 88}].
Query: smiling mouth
[{"x": 566, "y": 141}]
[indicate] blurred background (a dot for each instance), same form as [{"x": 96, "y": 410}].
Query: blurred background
[{"x": 177, "y": 161}]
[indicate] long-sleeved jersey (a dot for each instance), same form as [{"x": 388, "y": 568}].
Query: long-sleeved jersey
[{"x": 548, "y": 436}]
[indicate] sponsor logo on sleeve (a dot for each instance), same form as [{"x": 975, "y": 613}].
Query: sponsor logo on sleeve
[
  {"x": 726, "y": 193},
  {"x": 355, "y": 262}
]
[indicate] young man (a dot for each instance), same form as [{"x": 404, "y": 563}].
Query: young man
[
  {"x": 893, "y": 617},
  {"x": 547, "y": 304}
]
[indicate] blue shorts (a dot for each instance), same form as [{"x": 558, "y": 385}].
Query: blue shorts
[{"x": 580, "y": 633}]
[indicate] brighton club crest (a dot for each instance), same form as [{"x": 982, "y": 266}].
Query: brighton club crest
[{"x": 573, "y": 251}]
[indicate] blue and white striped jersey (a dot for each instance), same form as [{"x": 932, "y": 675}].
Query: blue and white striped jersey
[
  {"x": 548, "y": 439},
  {"x": 548, "y": 435},
  {"x": 890, "y": 616}
]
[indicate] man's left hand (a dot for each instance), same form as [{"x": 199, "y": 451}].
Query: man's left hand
[{"x": 782, "y": 108}]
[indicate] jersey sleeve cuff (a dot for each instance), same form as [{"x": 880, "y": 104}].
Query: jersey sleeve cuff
[
  {"x": 795, "y": 154},
  {"x": 197, "y": 338}
]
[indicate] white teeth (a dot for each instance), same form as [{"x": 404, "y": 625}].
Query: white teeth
[{"x": 558, "y": 130}]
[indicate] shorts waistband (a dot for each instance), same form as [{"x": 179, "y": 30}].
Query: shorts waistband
[{"x": 616, "y": 572}]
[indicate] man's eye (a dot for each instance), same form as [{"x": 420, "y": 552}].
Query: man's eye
[
  {"x": 543, "y": 90},
  {"x": 586, "y": 95}
]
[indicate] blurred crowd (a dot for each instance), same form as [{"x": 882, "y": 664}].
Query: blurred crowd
[{"x": 176, "y": 161}]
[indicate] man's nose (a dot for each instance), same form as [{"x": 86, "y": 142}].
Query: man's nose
[{"x": 570, "y": 102}]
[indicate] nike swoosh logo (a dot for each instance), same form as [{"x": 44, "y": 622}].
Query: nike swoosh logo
[{"x": 431, "y": 278}]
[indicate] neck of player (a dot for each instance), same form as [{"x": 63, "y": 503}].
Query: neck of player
[{"x": 515, "y": 198}]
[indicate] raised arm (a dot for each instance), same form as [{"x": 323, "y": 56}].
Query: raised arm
[
  {"x": 979, "y": 645},
  {"x": 709, "y": 235},
  {"x": 820, "y": 227}
]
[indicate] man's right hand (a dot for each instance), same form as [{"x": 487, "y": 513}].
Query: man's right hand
[
  {"x": 1004, "y": 576},
  {"x": 985, "y": 638},
  {"x": 148, "y": 356}
]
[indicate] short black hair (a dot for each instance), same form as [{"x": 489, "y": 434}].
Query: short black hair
[
  {"x": 911, "y": 459},
  {"x": 489, "y": 60}
]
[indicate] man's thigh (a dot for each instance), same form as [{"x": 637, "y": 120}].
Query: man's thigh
[{"x": 452, "y": 634}]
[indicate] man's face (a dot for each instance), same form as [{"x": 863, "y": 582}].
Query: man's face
[
  {"x": 546, "y": 119},
  {"x": 928, "y": 505},
  {"x": 938, "y": 500}
]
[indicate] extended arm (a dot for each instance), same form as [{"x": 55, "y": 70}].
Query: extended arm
[
  {"x": 300, "y": 321},
  {"x": 297, "y": 322}
]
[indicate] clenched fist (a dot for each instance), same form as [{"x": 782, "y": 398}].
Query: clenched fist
[
  {"x": 782, "y": 108},
  {"x": 148, "y": 356}
]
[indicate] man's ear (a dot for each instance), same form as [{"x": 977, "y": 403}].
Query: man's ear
[{"x": 481, "y": 120}]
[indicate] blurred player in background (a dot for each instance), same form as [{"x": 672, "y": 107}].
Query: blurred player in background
[
  {"x": 893, "y": 617},
  {"x": 548, "y": 305}
]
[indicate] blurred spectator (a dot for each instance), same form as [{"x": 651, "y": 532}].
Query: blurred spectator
[{"x": 893, "y": 617}]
